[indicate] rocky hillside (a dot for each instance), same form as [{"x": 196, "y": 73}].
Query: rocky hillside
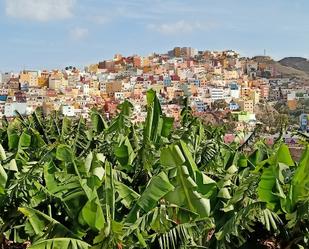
[
  {"x": 287, "y": 67},
  {"x": 298, "y": 63},
  {"x": 291, "y": 71}
]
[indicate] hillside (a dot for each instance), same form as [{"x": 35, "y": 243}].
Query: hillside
[
  {"x": 291, "y": 71},
  {"x": 298, "y": 63},
  {"x": 287, "y": 67}
]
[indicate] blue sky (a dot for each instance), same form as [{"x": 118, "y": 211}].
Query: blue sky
[{"x": 37, "y": 34}]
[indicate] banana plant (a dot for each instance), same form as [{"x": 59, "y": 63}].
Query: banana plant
[{"x": 72, "y": 183}]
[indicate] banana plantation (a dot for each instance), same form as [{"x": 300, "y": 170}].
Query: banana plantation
[{"x": 77, "y": 184}]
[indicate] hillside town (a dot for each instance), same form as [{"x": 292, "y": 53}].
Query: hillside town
[{"x": 220, "y": 86}]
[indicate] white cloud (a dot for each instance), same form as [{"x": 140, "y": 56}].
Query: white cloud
[
  {"x": 180, "y": 27},
  {"x": 98, "y": 19},
  {"x": 78, "y": 33},
  {"x": 39, "y": 10}
]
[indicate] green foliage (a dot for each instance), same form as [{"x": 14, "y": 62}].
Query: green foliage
[
  {"x": 63, "y": 243},
  {"x": 114, "y": 184}
]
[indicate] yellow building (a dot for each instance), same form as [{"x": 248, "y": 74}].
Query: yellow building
[
  {"x": 245, "y": 91},
  {"x": 42, "y": 81},
  {"x": 30, "y": 77},
  {"x": 157, "y": 87},
  {"x": 145, "y": 62},
  {"x": 147, "y": 69},
  {"x": 246, "y": 105},
  {"x": 255, "y": 96},
  {"x": 93, "y": 68},
  {"x": 57, "y": 80},
  {"x": 231, "y": 74},
  {"x": 177, "y": 51},
  {"x": 94, "y": 84}
]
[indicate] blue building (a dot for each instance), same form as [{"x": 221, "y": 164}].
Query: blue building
[
  {"x": 167, "y": 81},
  {"x": 3, "y": 97},
  {"x": 24, "y": 87},
  {"x": 197, "y": 82},
  {"x": 233, "y": 106},
  {"x": 200, "y": 105},
  {"x": 304, "y": 123},
  {"x": 234, "y": 86}
]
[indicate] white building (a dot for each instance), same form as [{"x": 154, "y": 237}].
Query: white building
[
  {"x": 11, "y": 108},
  {"x": 85, "y": 89},
  {"x": 55, "y": 82},
  {"x": 291, "y": 95},
  {"x": 5, "y": 77},
  {"x": 234, "y": 91},
  {"x": 216, "y": 93},
  {"x": 119, "y": 95},
  {"x": 68, "y": 111}
]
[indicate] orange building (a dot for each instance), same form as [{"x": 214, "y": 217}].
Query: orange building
[
  {"x": 112, "y": 87},
  {"x": 264, "y": 91},
  {"x": 137, "y": 61},
  {"x": 292, "y": 104}
]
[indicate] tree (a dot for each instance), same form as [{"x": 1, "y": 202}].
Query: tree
[{"x": 219, "y": 104}]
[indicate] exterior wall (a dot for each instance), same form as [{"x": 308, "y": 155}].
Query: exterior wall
[
  {"x": 68, "y": 110},
  {"x": 112, "y": 87},
  {"x": 246, "y": 105},
  {"x": 304, "y": 122},
  {"x": 216, "y": 93},
  {"x": 54, "y": 83},
  {"x": 10, "y": 108},
  {"x": 30, "y": 77},
  {"x": 264, "y": 91},
  {"x": 292, "y": 104}
]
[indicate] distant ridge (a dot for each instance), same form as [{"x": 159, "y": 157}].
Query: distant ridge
[
  {"x": 287, "y": 67},
  {"x": 298, "y": 63}
]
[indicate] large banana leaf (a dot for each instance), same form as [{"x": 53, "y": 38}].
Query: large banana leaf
[
  {"x": 64, "y": 153},
  {"x": 43, "y": 225},
  {"x": 13, "y": 139},
  {"x": 2, "y": 153},
  {"x": 156, "y": 125},
  {"x": 183, "y": 169},
  {"x": 153, "y": 116},
  {"x": 300, "y": 181},
  {"x": 24, "y": 140},
  {"x": 94, "y": 165},
  {"x": 171, "y": 157},
  {"x": 126, "y": 194},
  {"x": 38, "y": 124},
  {"x": 3, "y": 175},
  {"x": 266, "y": 186},
  {"x": 110, "y": 191},
  {"x": 167, "y": 126},
  {"x": 186, "y": 193},
  {"x": 175, "y": 155},
  {"x": 98, "y": 122},
  {"x": 122, "y": 122},
  {"x": 60, "y": 243},
  {"x": 92, "y": 215},
  {"x": 3, "y": 179},
  {"x": 269, "y": 188},
  {"x": 157, "y": 188},
  {"x": 124, "y": 152}
]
